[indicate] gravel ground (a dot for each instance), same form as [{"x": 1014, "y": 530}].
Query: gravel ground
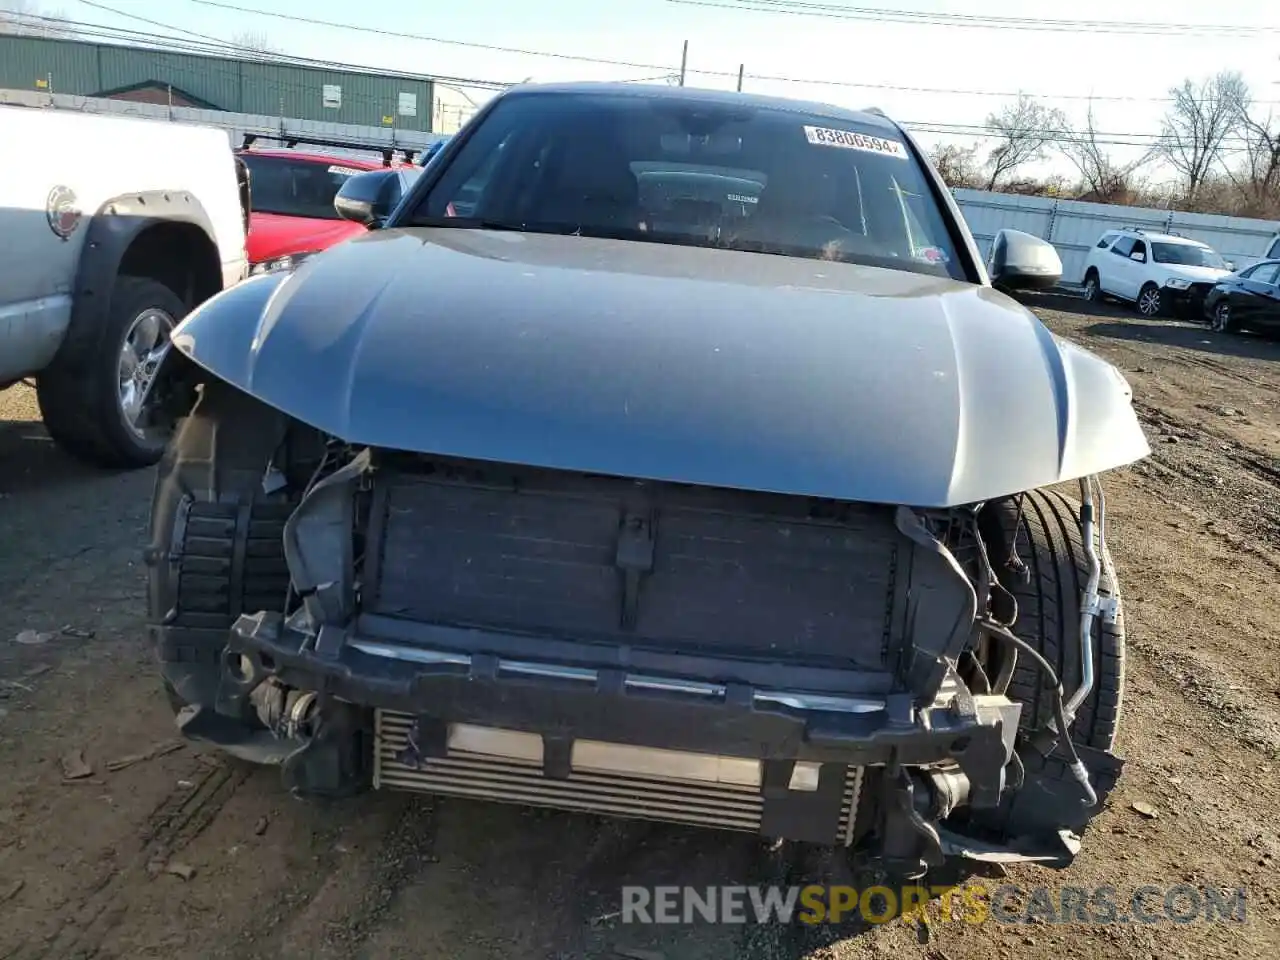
[{"x": 157, "y": 850}]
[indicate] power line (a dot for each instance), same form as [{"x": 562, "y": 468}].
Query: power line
[
  {"x": 401, "y": 35},
  {"x": 976, "y": 21},
  {"x": 630, "y": 64},
  {"x": 222, "y": 48},
  {"x": 206, "y": 42}
]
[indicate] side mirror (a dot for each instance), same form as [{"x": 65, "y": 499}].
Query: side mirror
[
  {"x": 369, "y": 198},
  {"x": 1138, "y": 256},
  {"x": 1231, "y": 265},
  {"x": 1021, "y": 261}
]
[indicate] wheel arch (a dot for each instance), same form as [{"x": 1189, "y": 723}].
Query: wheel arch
[{"x": 163, "y": 235}]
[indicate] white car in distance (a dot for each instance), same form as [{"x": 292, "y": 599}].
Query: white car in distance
[{"x": 1159, "y": 273}]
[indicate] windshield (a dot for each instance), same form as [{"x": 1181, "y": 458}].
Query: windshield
[
  {"x": 295, "y": 188},
  {"x": 1187, "y": 255},
  {"x": 675, "y": 170}
]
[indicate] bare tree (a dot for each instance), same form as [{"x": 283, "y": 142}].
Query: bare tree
[
  {"x": 1198, "y": 122},
  {"x": 1258, "y": 175},
  {"x": 254, "y": 42},
  {"x": 1025, "y": 128},
  {"x": 1103, "y": 179},
  {"x": 958, "y": 166},
  {"x": 25, "y": 19}
]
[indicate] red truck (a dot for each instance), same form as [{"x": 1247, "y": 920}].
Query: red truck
[{"x": 291, "y": 197}]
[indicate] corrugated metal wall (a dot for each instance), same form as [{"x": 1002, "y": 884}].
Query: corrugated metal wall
[
  {"x": 239, "y": 86},
  {"x": 1073, "y": 227}
]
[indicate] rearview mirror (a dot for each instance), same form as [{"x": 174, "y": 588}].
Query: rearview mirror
[
  {"x": 1138, "y": 256},
  {"x": 369, "y": 198},
  {"x": 1021, "y": 261}
]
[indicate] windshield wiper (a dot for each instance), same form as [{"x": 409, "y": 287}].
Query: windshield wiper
[{"x": 470, "y": 223}]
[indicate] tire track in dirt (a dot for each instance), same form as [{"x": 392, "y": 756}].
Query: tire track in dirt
[
  {"x": 1216, "y": 367},
  {"x": 377, "y": 845},
  {"x": 1230, "y": 492},
  {"x": 181, "y": 817},
  {"x": 1250, "y": 500}
]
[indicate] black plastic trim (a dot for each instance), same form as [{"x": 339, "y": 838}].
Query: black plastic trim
[
  {"x": 729, "y": 726},
  {"x": 113, "y": 227}
]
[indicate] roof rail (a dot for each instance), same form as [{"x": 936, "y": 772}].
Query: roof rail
[{"x": 291, "y": 140}]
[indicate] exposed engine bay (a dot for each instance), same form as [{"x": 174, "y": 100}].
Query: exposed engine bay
[{"x": 831, "y": 672}]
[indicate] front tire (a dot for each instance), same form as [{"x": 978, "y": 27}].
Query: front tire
[
  {"x": 216, "y": 544},
  {"x": 1223, "y": 321},
  {"x": 1150, "y": 301},
  {"x": 1092, "y": 287},
  {"x": 101, "y": 410},
  {"x": 1050, "y": 547}
]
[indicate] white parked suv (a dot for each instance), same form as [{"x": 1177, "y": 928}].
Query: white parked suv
[{"x": 1156, "y": 272}]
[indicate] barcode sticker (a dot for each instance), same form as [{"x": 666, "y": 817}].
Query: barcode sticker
[{"x": 849, "y": 140}]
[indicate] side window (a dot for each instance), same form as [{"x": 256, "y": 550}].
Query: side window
[
  {"x": 1139, "y": 247},
  {"x": 1106, "y": 240},
  {"x": 1123, "y": 247},
  {"x": 1265, "y": 273}
]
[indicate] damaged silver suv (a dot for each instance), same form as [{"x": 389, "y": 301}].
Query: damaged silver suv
[{"x": 664, "y": 454}]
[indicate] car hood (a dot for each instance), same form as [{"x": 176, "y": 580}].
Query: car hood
[
  {"x": 272, "y": 235},
  {"x": 663, "y": 362},
  {"x": 1194, "y": 274}
]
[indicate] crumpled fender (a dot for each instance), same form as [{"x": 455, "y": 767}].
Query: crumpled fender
[{"x": 228, "y": 325}]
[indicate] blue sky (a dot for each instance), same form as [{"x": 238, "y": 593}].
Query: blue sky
[{"x": 1067, "y": 64}]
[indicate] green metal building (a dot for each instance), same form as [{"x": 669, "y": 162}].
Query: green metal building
[{"x": 252, "y": 85}]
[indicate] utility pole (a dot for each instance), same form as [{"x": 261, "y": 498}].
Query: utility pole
[
  {"x": 741, "y": 67},
  {"x": 684, "y": 61}
]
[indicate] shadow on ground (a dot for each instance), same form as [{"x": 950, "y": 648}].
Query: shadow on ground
[
  {"x": 29, "y": 459},
  {"x": 1189, "y": 337},
  {"x": 1071, "y": 303}
]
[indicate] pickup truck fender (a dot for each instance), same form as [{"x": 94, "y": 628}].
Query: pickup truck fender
[{"x": 111, "y": 231}]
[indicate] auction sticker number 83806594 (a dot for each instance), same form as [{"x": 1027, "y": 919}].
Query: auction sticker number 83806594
[{"x": 849, "y": 140}]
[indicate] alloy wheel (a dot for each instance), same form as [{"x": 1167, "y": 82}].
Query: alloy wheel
[
  {"x": 1222, "y": 318},
  {"x": 1149, "y": 302},
  {"x": 144, "y": 348}
]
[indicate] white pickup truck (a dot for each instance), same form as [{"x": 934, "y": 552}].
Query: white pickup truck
[{"x": 114, "y": 229}]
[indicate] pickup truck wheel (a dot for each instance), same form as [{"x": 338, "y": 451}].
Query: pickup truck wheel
[
  {"x": 216, "y": 540},
  {"x": 1050, "y": 549},
  {"x": 103, "y": 412}
]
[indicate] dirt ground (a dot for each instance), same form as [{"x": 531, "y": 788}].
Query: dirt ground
[{"x": 178, "y": 854}]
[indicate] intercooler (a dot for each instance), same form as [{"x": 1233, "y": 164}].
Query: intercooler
[{"x": 607, "y": 779}]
